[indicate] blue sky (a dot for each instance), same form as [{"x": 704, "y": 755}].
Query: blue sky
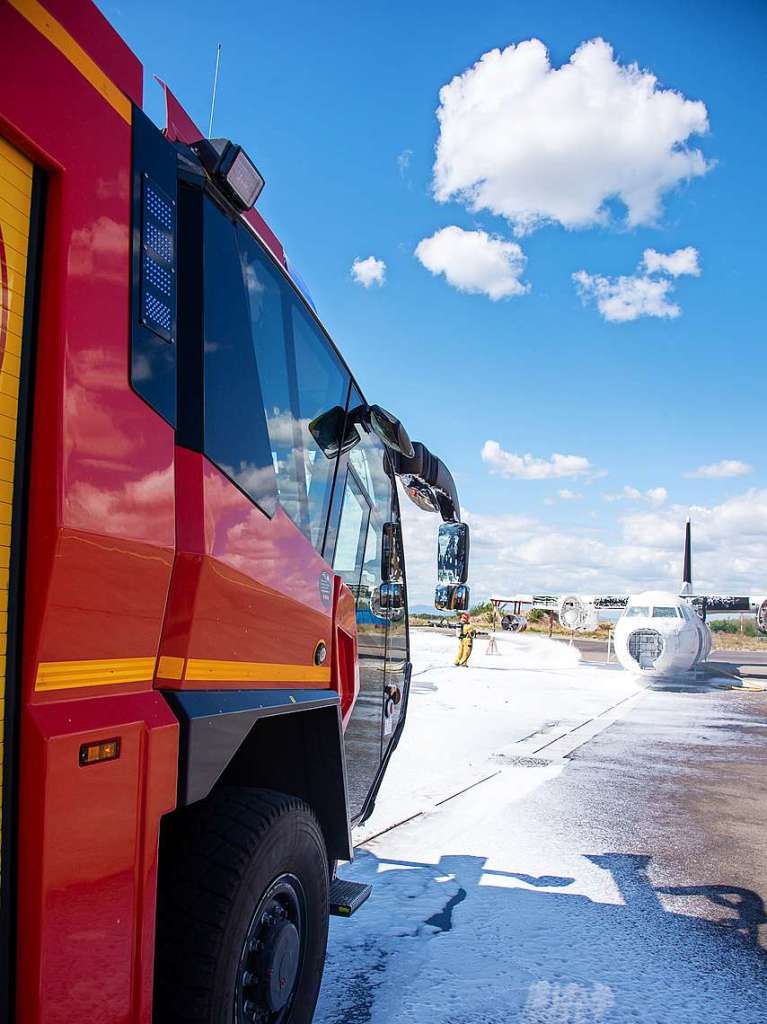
[{"x": 325, "y": 98}]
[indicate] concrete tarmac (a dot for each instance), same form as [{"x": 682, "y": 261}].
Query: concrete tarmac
[{"x": 626, "y": 885}]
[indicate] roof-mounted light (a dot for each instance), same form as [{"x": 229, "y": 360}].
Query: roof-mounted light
[{"x": 232, "y": 170}]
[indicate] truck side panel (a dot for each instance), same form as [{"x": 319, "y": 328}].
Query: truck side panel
[{"x": 100, "y": 539}]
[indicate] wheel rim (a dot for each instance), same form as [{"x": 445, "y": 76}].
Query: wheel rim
[{"x": 272, "y": 955}]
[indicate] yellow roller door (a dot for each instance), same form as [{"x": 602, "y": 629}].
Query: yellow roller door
[{"x": 15, "y": 201}]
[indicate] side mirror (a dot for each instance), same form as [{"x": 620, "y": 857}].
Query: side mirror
[
  {"x": 453, "y": 553},
  {"x": 452, "y": 597},
  {"x": 327, "y": 431},
  {"x": 391, "y": 597},
  {"x": 391, "y": 431},
  {"x": 391, "y": 553}
]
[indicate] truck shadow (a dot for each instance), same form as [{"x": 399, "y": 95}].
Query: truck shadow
[{"x": 457, "y": 942}]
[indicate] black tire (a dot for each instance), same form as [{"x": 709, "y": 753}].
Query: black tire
[{"x": 239, "y": 851}]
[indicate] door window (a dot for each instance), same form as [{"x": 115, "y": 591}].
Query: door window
[
  {"x": 275, "y": 389},
  {"x": 321, "y": 390},
  {"x": 352, "y": 535},
  {"x": 235, "y": 438}
]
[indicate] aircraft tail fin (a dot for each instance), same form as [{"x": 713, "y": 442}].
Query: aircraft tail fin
[{"x": 687, "y": 570}]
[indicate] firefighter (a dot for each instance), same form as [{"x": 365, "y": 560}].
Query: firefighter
[{"x": 466, "y": 634}]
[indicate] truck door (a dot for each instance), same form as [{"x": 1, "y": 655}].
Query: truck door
[{"x": 369, "y": 498}]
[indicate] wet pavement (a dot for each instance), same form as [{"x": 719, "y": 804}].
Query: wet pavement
[
  {"x": 682, "y": 780},
  {"x": 622, "y": 883}
]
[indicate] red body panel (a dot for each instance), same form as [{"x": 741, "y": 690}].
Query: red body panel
[
  {"x": 135, "y": 550},
  {"x": 100, "y": 549},
  {"x": 86, "y": 946},
  {"x": 245, "y": 587},
  {"x": 346, "y": 674}
]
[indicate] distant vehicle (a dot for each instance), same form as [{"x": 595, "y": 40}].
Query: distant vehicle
[{"x": 658, "y": 633}]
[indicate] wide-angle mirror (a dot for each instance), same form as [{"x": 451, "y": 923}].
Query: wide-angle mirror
[
  {"x": 451, "y": 597},
  {"x": 390, "y": 430},
  {"x": 388, "y": 600}
]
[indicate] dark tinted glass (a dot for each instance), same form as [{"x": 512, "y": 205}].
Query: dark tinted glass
[
  {"x": 304, "y": 390},
  {"x": 322, "y": 386},
  {"x": 235, "y": 428}
]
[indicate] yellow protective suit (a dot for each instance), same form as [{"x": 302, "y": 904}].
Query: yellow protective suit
[{"x": 466, "y": 636}]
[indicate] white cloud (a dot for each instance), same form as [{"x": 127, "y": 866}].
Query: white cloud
[
  {"x": 718, "y": 470},
  {"x": 654, "y": 496},
  {"x": 369, "y": 271},
  {"x": 537, "y": 144},
  {"x": 682, "y": 261},
  {"x": 403, "y": 161},
  {"x": 643, "y": 550},
  {"x": 530, "y": 467},
  {"x": 620, "y": 299},
  {"x": 473, "y": 261}
]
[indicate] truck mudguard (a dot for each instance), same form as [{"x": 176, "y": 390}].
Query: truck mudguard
[{"x": 242, "y": 737}]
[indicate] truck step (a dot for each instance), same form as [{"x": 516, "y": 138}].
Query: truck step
[{"x": 347, "y": 897}]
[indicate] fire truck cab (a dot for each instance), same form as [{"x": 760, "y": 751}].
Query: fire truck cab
[{"x": 203, "y": 603}]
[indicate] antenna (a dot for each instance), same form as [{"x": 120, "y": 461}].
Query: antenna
[
  {"x": 215, "y": 86},
  {"x": 687, "y": 571}
]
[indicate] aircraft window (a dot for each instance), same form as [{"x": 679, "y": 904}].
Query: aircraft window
[
  {"x": 660, "y": 612},
  {"x": 635, "y": 611}
]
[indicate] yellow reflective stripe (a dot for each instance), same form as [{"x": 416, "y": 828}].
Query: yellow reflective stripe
[
  {"x": 204, "y": 670},
  {"x": 67, "y": 45},
  {"x": 61, "y": 675},
  {"x": 170, "y": 668}
]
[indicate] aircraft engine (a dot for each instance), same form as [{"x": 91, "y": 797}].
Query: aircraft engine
[
  {"x": 573, "y": 613},
  {"x": 514, "y": 623},
  {"x": 761, "y": 617}
]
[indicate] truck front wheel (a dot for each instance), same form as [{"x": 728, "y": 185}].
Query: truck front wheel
[{"x": 242, "y": 911}]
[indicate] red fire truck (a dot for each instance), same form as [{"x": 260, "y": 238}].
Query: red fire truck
[{"x": 205, "y": 649}]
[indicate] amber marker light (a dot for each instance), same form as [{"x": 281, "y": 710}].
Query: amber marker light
[{"x": 101, "y": 750}]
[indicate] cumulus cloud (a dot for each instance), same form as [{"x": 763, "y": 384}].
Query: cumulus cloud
[
  {"x": 718, "y": 470},
  {"x": 620, "y": 299},
  {"x": 538, "y": 144},
  {"x": 646, "y": 293},
  {"x": 654, "y": 496},
  {"x": 369, "y": 271},
  {"x": 531, "y": 467},
  {"x": 682, "y": 261},
  {"x": 473, "y": 261},
  {"x": 641, "y": 551}
]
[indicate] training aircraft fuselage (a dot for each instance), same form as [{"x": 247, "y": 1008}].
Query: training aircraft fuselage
[{"x": 660, "y": 634}]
